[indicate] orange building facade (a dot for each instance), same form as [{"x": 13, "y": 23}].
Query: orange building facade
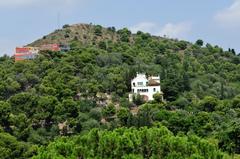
[
  {"x": 50, "y": 47},
  {"x": 55, "y": 47},
  {"x": 25, "y": 53},
  {"x": 28, "y": 53}
]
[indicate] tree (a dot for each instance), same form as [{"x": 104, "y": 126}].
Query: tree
[
  {"x": 96, "y": 114},
  {"x": 158, "y": 97},
  {"x": 98, "y": 30},
  {"x": 138, "y": 99},
  {"x": 109, "y": 110},
  {"x": 45, "y": 110},
  {"x": 102, "y": 45},
  {"x": 5, "y": 110},
  {"x": 24, "y": 102},
  {"x": 123, "y": 115},
  {"x": 236, "y": 102},
  {"x": 182, "y": 45},
  {"x": 90, "y": 124},
  {"x": 199, "y": 42},
  {"x": 182, "y": 102},
  {"x": 209, "y": 103},
  {"x": 69, "y": 108},
  {"x": 230, "y": 139},
  {"x": 124, "y": 34},
  {"x": 11, "y": 148},
  {"x": 66, "y": 26},
  {"x": 131, "y": 143},
  {"x": 112, "y": 29}
]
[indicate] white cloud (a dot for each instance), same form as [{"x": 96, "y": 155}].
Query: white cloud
[
  {"x": 230, "y": 16},
  {"x": 148, "y": 27},
  {"x": 172, "y": 30},
  {"x": 179, "y": 30}
]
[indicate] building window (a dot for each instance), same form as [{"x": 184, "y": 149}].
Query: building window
[
  {"x": 154, "y": 89},
  {"x": 140, "y": 83},
  {"x": 133, "y": 90},
  {"x": 146, "y": 83},
  {"x": 142, "y": 90},
  {"x": 133, "y": 84}
]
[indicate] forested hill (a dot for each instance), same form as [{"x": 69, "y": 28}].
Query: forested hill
[
  {"x": 50, "y": 105},
  {"x": 85, "y": 34},
  {"x": 205, "y": 68}
]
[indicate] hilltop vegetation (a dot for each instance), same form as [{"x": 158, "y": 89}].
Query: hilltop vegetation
[
  {"x": 66, "y": 95},
  {"x": 132, "y": 143},
  {"x": 82, "y": 33}
]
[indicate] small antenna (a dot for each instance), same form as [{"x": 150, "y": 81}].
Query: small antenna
[{"x": 58, "y": 20}]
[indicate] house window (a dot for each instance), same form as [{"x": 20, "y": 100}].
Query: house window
[
  {"x": 146, "y": 83},
  {"x": 154, "y": 89},
  {"x": 133, "y": 84},
  {"x": 140, "y": 83},
  {"x": 142, "y": 90},
  {"x": 133, "y": 90}
]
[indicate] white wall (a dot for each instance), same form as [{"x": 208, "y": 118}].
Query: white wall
[
  {"x": 139, "y": 78},
  {"x": 150, "y": 92},
  {"x": 142, "y": 78}
]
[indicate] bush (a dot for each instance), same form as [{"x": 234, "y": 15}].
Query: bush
[
  {"x": 199, "y": 42},
  {"x": 66, "y": 26},
  {"x": 138, "y": 99},
  {"x": 209, "y": 103},
  {"x": 124, "y": 34},
  {"x": 109, "y": 110},
  {"x": 96, "y": 113},
  {"x": 236, "y": 102},
  {"x": 182, "y": 45},
  {"x": 98, "y": 30},
  {"x": 158, "y": 97},
  {"x": 112, "y": 29}
]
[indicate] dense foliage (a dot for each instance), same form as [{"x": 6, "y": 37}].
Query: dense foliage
[
  {"x": 65, "y": 94},
  {"x": 131, "y": 144}
]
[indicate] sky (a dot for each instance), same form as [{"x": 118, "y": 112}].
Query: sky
[{"x": 214, "y": 21}]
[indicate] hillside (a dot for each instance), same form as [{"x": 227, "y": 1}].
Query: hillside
[
  {"x": 60, "y": 99},
  {"x": 86, "y": 34}
]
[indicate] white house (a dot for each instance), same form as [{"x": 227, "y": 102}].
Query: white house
[{"x": 145, "y": 86}]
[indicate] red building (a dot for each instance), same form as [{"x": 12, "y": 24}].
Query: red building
[
  {"x": 25, "y": 53},
  {"x": 28, "y": 53},
  {"x": 51, "y": 47},
  {"x": 55, "y": 47}
]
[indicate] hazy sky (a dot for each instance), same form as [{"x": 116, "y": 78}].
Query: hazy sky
[{"x": 215, "y": 21}]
